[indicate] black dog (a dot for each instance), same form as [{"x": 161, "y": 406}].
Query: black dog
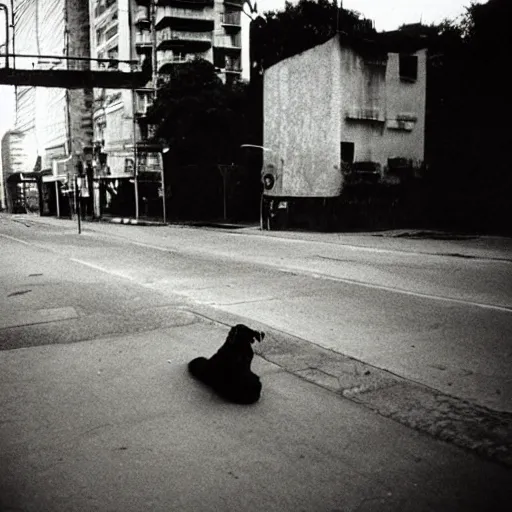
[{"x": 228, "y": 371}]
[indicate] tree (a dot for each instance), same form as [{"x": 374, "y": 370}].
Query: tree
[
  {"x": 200, "y": 118},
  {"x": 204, "y": 122},
  {"x": 468, "y": 101},
  {"x": 278, "y": 35}
]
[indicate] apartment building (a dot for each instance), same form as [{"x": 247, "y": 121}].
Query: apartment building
[
  {"x": 159, "y": 34},
  {"x": 55, "y": 124}
]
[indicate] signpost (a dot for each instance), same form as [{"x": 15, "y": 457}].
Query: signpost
[{"x": 78, "y": 195}]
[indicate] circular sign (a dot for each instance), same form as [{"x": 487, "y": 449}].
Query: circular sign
[{"x": 268, "y": 181}]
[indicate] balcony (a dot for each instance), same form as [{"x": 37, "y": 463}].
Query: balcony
[
  {"x": 229, "y": 42},
  {"x": 185, "y": 19},
  {"x": 167, "y": 60},
  {"x": 231, "y": 20},
  {"x": 374, "y": 115},
  {"x": 238, "y": 4},
  {"x": 143, "y": 100},
  {"x": 143, "y": 42},
  {"x": 104, "y": 6},
  {"x": 193, "y": 41},
  {"x": 141, "y": 15},
  {"x": 233, "y": 67},
  {"x": 194, "y": 4}
]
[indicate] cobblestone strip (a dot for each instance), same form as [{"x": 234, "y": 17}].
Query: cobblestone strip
[{"x": 479, "y": 429}]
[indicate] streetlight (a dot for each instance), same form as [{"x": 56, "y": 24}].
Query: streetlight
[{"x": 165, "y": 149}]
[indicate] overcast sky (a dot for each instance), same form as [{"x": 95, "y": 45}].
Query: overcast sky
[{"x": 387, "y": 15}]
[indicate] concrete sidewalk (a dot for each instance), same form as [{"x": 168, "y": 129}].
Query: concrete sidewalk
[{"x": 117, "y": 424}]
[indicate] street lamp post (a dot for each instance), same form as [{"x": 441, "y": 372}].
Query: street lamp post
[
  {"x": 78, "y": 196},
  {"x": 165, "y": 149}
]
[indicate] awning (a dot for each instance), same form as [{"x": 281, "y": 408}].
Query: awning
[
  {"x": 19, "y": 177},
  {"x": 52, "y": 178}
]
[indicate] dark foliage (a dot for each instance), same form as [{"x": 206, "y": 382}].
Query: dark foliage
[
  {"x": 281, "y": 34},
  {"x": 469, "y": 181},
  {"x": 468, "y": 107},
  {"x": 201, "y": 119},
  {"x": 204, "y": 122}
]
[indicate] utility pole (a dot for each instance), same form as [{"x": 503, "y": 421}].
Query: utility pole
[
  {"x": 154, "y": 78},
  {"x": 135, "y": 166}
]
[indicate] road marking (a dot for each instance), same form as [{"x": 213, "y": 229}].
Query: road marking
[
  {"x": 106, "y": 270},
  {"x": 15, "y": 239},
  {"x": 506, "y": 309}
]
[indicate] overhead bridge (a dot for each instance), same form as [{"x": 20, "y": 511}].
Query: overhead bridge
[{"x": 72, "y": 72}]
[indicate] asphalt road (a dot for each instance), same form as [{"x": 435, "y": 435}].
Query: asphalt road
[
  {"x": 439, "y": 318},
  {"x": 99, "y": 414}
]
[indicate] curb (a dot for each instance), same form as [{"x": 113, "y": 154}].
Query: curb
[
  {"x": 475, "y": 428},
  {"x": 131, "y": 221}
]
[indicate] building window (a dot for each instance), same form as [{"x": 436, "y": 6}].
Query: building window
[
  {"x": 347, "y": 152},
  {"x": 111, "y": 33},
  {"x": 408, "y": 67}
]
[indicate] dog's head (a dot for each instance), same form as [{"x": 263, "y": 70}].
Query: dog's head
[{"x": 242, "y": 334}]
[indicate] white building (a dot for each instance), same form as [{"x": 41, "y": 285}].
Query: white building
[{"x": 335, "y": 108}]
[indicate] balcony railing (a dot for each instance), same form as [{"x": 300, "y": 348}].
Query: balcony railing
[
  {"x": 234, "y": 3},
  {"x": 141, "y": 15},
  {"x": 229, "y": 41},
  {"x": 198, "y": 4},
  {"x": 190, "y": 15},
  {"x": 143, "y": 38},
  {"x": 103, "y": 6},
  {"x": 170, "y": 38},
  {"x": 365, "y": 114},
  {"x": 169, "y": 59},
  {"x": 143, "y": 41},
  {"x": 143, "y": 101},
  {"x": 232, "y": 19},
  {"x": 233, "y": 67}
]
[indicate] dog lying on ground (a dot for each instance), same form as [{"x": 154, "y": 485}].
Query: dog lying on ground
[{"x": 228, "y": 372}]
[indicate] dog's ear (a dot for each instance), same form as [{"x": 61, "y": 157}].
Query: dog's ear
[
  {"x": 245, "y": 333},
  {"x": 258, "y": 336}
]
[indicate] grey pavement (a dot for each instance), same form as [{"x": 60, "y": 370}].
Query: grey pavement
[
  {"x": 432, "y": 316},
  {"x": 116, "y": 424}
]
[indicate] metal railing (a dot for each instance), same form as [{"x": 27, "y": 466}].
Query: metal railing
[{"x": 231, "y": 18}]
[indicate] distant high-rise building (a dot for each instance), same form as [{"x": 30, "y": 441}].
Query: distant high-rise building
[{"x": 56, "y": 124}]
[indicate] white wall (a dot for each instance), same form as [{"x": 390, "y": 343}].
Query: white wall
[
  {"x": 306, "y": 101},
  {"x": 301, "y": 123},
  {"x": 377, "y": 141}
]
